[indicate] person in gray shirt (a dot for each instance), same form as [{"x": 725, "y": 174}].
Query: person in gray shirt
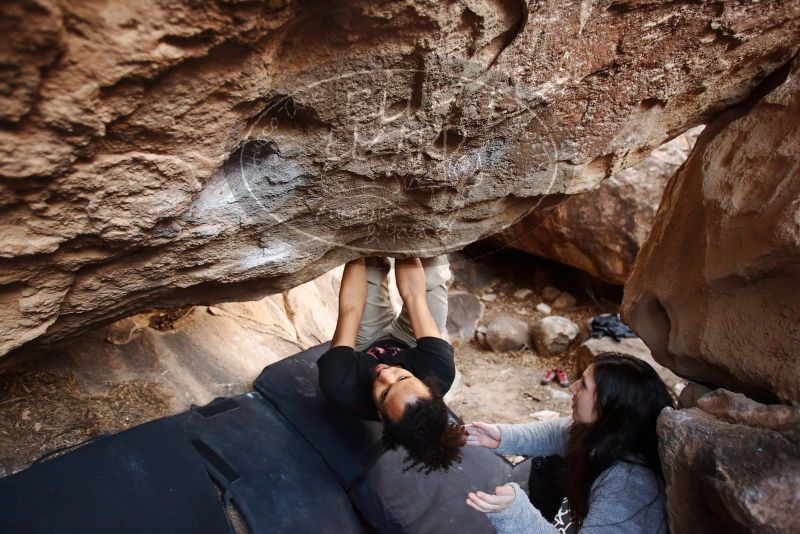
[{"x": 614, "y": 480}]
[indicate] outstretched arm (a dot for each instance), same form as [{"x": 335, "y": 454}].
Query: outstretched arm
[
  {"x": 510, "y": 511},
  {"x": 352, "y": 299},
  {"x": 412, "y": 288},
  {"x": 540, "y": 438}
]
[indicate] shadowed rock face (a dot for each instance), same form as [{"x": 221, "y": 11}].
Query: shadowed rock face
[
  {"x": 199, "y": 353},
  {"x": 158, "y": 153},
  {"x": 727, "y": 477},
  {"x": 601, "y": 231},
  {"x": 714, "y": 292}
]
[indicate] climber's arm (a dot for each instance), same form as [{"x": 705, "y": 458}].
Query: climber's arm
[
  {"x": 412, "y": 288},
  {"x": 352, "y": 299}
]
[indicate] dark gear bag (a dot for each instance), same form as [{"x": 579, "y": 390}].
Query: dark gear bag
[{"x": 547, "y": 484}]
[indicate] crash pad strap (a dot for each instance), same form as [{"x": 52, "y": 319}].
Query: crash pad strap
[{"x": 215, "y": 461}]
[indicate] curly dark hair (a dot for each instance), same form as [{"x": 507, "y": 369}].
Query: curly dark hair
[{"x": 425, "y": 431}]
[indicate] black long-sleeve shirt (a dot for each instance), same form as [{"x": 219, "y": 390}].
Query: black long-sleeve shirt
[{"x": 346, "y": 375}]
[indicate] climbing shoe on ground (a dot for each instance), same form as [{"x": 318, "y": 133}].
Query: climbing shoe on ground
[
  {"x": 549, "y": 376},
  {"x": 563, "y": 380}
]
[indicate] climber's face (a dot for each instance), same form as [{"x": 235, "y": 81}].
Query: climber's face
[
  {"x": 584, "y": 395},
  {"x": 394, "y": 388}
]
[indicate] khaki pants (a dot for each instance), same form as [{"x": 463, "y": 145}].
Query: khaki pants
[{"x": 379, "y": 320}]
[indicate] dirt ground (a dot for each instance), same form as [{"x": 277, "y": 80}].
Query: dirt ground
[
  {"x": 43, "y": 407},
  {"x": 505, "y": 387}
]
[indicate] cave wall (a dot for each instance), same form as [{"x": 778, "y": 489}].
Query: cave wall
[
  {"x": 601, "y": 231},
  {"x": 715, "y": 291},
  {"x": 199, "y": 353},
  {"x": 168, "y": 153}
]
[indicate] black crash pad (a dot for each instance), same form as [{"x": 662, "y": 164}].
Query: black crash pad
[
  {"x": 154, "y": 478},
  {"x": 388, "y": 498},
  {"x": 275, "y": 479},
  {"x": 288, "y": 461},
  {"x": 145, "y": 479}
]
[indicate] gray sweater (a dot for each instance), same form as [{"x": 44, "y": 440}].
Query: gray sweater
[{"x": 625, "y": 498}]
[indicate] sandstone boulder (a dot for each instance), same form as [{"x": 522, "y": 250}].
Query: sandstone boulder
[
  {"x": 602, "y": 230},
  {"x": 159, "y": 155},
  {"x": 554, "y": 334},
  {"x": 714, "y": 292},
  {"x": 507, "y": 333},
  {"x": 691, "y": 394},
  {"x": 464, "y": 312},
  {"x": 727, "y": 477},
  {"x": 736, "y": 408},
  {"x": 202, "y": 352},
  {"x": 471, "y": 274}
]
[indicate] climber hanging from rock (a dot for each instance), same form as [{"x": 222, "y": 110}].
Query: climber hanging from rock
[{"x": 396, "y": 369}]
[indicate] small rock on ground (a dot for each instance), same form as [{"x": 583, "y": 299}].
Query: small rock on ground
[
  {"x": 522, "y": 294},
  {"x": 560, "y": 394},
  {"x": 550, "y": 293},
  {"x": 507, "y": 333},
  {"x": 564, "y": 301},
  {"x": 554, "y": 334}
]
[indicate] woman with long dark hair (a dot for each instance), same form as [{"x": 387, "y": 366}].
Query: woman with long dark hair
[{"x": 614, "y": 480}]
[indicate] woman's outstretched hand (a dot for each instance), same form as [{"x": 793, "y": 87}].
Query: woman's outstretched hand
[
  {"x": 483, "y": 435},
  {"x": 483, "y": 502}
]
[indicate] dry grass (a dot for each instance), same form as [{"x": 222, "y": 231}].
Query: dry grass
[
  {"x": 164, "y": 320},
  {"x": 41, "y": 411}
]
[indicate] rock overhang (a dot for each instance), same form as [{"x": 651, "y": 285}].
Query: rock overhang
[{"x": 161, "y": 157}]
